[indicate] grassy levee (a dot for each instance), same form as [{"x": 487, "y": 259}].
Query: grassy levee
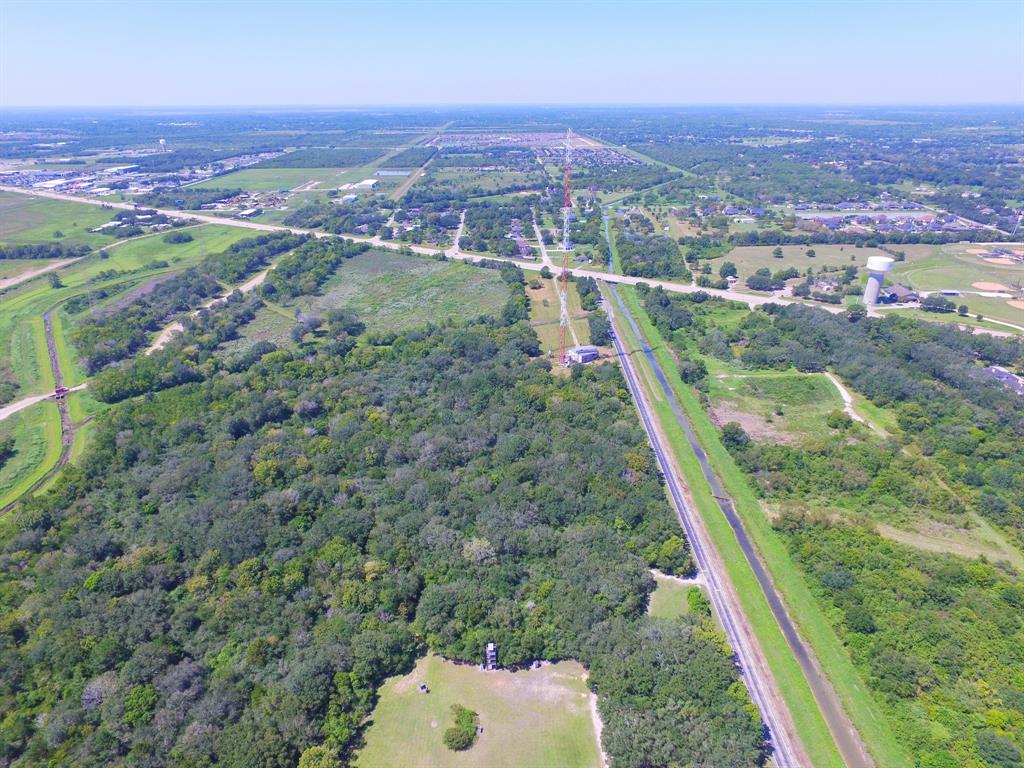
[
  {"x": 860, "y": 707},
  {"x": 36, "y": 433}
]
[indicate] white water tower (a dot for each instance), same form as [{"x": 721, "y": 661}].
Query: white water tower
[{"x": 877, "y": 267}]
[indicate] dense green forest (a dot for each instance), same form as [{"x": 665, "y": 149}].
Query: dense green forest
[
  {"x": 361, "y": 217},
  {"x": 242, "y": 558},
  {"x": 187, "y": 198},
  {"x": 939, "y": 639},
  {"x": 43, "y": 251}
]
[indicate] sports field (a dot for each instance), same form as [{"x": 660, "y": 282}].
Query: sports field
[
  {"x": 25, "y": 219},
  {"x": 969, "y": 268},
  {"x": 538, "y": 718}
]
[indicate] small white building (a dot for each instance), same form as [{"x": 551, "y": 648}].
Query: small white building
[{"x": 582, "y": 354}]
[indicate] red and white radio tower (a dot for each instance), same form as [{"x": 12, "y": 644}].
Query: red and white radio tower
[{"x": 566, "y": 247}]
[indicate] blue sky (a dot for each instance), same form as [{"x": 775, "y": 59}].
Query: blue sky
[{"x": 282, "y": 53}]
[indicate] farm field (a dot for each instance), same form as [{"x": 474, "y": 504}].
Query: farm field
[
  {"x": 669, "y": 599},
  {"x": 25, "y": 219},
  {"x": 267, "y": 179},
  {"x": 538, "y": 718}
]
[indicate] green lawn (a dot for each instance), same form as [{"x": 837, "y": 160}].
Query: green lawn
[
  {"x": 540, "y": 718},
  {"x": 669, "y": 600},
  {"x": 749, "y": 258},
  {"x": 805, "y": 612},
  {"x": 25, "y": 219}
]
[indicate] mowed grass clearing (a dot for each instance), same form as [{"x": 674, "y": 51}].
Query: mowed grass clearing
[
  {"x": 25, "y": 219},
  {"x": 545, "y": 313},
  {"x": 669, "y": 599},
  {"x": 750, "y": 258},
  {"x": 775, "y": 406},
  {"x": 270, "y": 179},
  {"x": 538, "y": 718}
]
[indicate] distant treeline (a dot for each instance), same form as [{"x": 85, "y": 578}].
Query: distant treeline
[
  {"x": 186, "y": 198},
  {"x": 778, "y": 237},
  {"x": 411, "y": 157},
  {"x": 324, "y": 157},
  {"x": 43, "y": 251}
]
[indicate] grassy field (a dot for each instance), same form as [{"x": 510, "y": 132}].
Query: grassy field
[
  {"x": 545, "y": 310},
  {"x": 860, "y": 706},
  {"x": 25, "y": 219},
  {"x": 668, "y": 601},
  {"x": 36, "y": 433},
  {"x": 267, "y": 179},
  {"x": 540, "y": 718},
  {"x": 775, "y": 406},
  {"x": 388, "y": 291},
  {"x": 15, "y": 267},
  {"x": 749, "y": 258}
]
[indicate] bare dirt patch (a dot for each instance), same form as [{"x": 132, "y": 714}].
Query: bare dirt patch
[
  {"x": 985, "y": 286},
  {"x": 756, "y": 426},
  {"x": 1016, "y": 304},
  {"x": 1000, "y": 260},
  {"x": 977, "y": 251}
]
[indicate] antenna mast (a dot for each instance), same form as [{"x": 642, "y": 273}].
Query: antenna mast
[{"x": 566, "y": 247}]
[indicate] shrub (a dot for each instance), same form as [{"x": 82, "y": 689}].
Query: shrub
[{"x": 461, "y": 735}]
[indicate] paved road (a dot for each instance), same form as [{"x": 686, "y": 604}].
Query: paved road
[
  {"x": 453, "y": 253},
  {"x": 847, "y": 739},
  {"x": 787, "y": 750}
]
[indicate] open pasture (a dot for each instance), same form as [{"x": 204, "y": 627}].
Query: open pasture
[
  {"x": 750, "y": 258},
  {"x": 25, "y": 219},
  {"x": 537, "y": 718},
  {"x": 274, "y": 179}
]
